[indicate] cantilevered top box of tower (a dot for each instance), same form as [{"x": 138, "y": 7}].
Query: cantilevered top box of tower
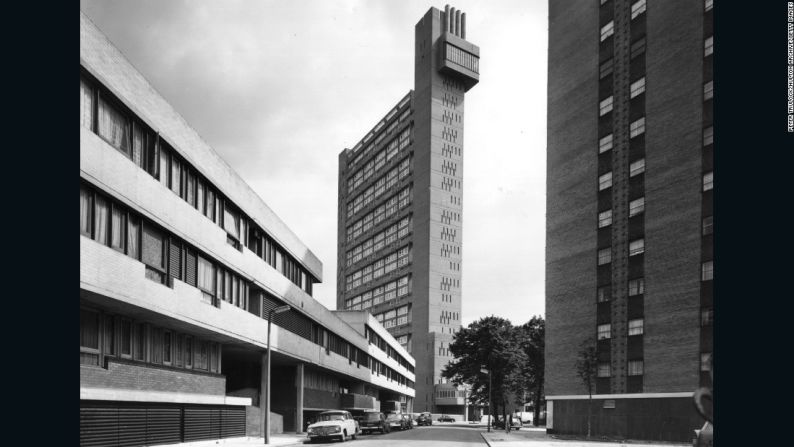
[{"x": 400, "y": 208}]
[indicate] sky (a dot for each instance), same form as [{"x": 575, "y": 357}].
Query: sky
[{"x": 280, "y": 88}]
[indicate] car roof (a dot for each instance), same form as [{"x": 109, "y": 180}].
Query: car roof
[{"x": 334, "y": 412}]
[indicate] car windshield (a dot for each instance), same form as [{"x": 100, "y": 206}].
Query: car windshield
[
  {"x": 371, "y": 417},
  {"x": 330, "y": 417}
]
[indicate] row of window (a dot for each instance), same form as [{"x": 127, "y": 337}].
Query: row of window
[
  {"x": 384, "y": 156},
  {"x": 372, "y": 245},
  {"x": 395, "y": 317},
  {"x": 382, "y": 185},
  {"x": 405, "y": 115},
  {"x": 636, "y": 287},
  {"x": 381, "y": 343},
  {"x": 462, "y": 58},
  {"x": 635, "y": 368},
  {"x": 111, "y": 224},
  {"x": 637, "y": 8},
  {"x": 636, "y": 327},
  {"x": 104, "y": 115},
  {"x": 380, "y": 267},
  {"x": 385, "y": 210},
  {"x": 636, "y": 247},
  {"x": 107, "y": 335},
  {"x": 381, "y": 294}
]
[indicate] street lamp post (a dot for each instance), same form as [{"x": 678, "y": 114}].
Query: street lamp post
[
  {"x": 487, "y": 371},
  {"x": 276, "y": 310}
]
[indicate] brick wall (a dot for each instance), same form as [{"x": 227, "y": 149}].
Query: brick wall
[{"x": 129, "y": 375}]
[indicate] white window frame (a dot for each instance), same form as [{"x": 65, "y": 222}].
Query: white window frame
[
  {"x": 637, "y": 168},
  {"x": 638, "y": 8},
  {"x": 635, "y": 368},
  {"x": 708, "y": 46},
  {"x": 604, "y": 370},
  {"x": 708, "y": 4},
  {"x": 605, "y": 181},
  {"x": 604, "y": 256},
  {"x": 707, "y": 271},
  {"x": 605, "y": 106},
  {"x": 637, "y": 88},
  {"x": 637, "y": 206},
  {"x": 708, "y": 90},
  {"x": 637, "y": 286},
  {"x": 637, "y": 127},
  {"x": 604, "y": 331},
  {"x": 605, "y": 218},
  {"x": 708, "y": 135},
  {"x": 637, "y": 247},
  {"x": 607, "y": 30},
  {"x": 605, "y": 143},
  {"x": 708, "y": 181},
  {"x": 637, "y": 326}
]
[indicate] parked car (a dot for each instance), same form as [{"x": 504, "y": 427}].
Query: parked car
[
  {"x": 424, "y": 419},
  {"x": 395, "y": 421},
  {"x": 333, "y": 424},
  {"x": 409, "y": 421},
  {"x": 515, "y": 423},
  {"x": 445, "y": 418},
  {"x": 374, "y": 421}
]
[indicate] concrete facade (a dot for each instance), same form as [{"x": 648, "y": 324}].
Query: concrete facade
[
  {"x": 614, "y": 180},
  {"x": 446, "y": 66},
  {"x": 158, "y": 342}
]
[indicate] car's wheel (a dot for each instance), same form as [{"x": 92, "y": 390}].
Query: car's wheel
[{"x": 343, "y": 436}]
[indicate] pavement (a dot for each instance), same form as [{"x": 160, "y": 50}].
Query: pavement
[
  {"x": 537, "y": 437},
  {"x": 281, "y": 440}
]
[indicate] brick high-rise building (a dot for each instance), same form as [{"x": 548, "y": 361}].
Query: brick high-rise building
[
  {"x": 629, "y": 260},
  {"x": 400, "y": 209}
]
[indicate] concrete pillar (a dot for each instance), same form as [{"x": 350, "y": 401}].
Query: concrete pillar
[
  {"x": 457, "y": 22},
  {"x": 463, "y": 26},
  {"x": 263, "y": 393},
  {"x": 452, "y": 28},
  {"x": 299, "y": 397},
  {"x": 446, "y": 18}
]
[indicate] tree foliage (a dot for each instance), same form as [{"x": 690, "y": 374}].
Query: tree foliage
[
  {"x": 587, "y": 370},
  {"x": 512, "y": 354}
]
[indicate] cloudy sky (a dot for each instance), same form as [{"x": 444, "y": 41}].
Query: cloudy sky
[{"x": 279, "y": 88}]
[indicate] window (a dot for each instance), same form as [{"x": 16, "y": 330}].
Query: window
[
  {"x": 167, "y": 347},
  {"x": 118, "y": 226},
  {"x": 708, "y": 90},
  {"x": 705, "y": 361},
  {"x": 706, "y": 317},
  {"x": 707, "y": 271},
  {"x": 708, "y": 46},
  {"x": 605, "y": 106},
  {"x": 637, "y": 87},
  {"x": 602, "y": 294},
  {"x": 604, "y": 331},
  {"x": 637, "y": 8},
  {"x": 86, "y": 105},
  {"x": 126, "y": 338},
  {"x": 101, "y": 219},
  {"x": 636, "y": 168},
  {"x": 708, "y": 5},
  {"x": 206, "y": 279},
  {"x": 152, "y": 253},
  {"x": 605, "y": 181},
  {"x": 636, "y": 286},
  {"x": 134, "y": 237},
  {"x": 708, "y": 181},
  {"x": 636, "y": 206},
  {"x": 636, "y": 247},
  {"x": 231, "y": 222},
  {"x": 85, "y": 211},
  {"x": 604, "y": 256},
  {"x": 607, "y": 30},
  {"x": 636, "y": 326},
  {"x": 708, "y": 136},
  {"x": 605, "y": 144},
  {"x": 604, "y": 218},
  {"x": 708, "y": 225},
  {"x": 176, "y": 179},
  {"x": 635, "y": 367},
  {"x": 604, "y": 370},
  {"x": 114, "y": 127},
  {"x": 89, "y": 337},
  {"x": 139, "y": 336},
  {"x": 637, "y": 127}
]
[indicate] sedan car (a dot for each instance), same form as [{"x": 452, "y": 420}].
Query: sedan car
[
  {"x": 444, "y": 418},
  {"x": 424, "y": 419},
  {"x": 374, "y": 421},
  {"x": 395, "y": 421},
  {"x": 333, "y": 424}
]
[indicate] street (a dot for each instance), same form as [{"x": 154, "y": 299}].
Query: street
[{"x": 433, "y": 436}]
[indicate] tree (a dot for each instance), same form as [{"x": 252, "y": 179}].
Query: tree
[
  {"x": 531, "y": 336},
  {"x": 587, "y": 369},
  {"x": 491, "y": 343}
]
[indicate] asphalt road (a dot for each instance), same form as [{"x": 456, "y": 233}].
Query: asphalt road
[{"x": 433, "y": 436}]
